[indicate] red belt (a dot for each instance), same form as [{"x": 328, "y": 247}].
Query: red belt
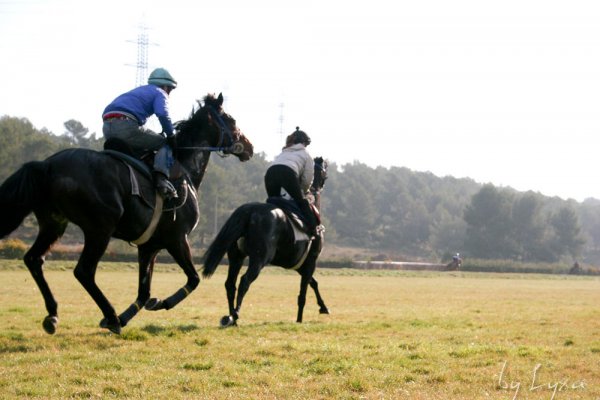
[{"x": 108, "y": 116}]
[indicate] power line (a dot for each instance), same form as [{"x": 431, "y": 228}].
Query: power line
[
  {"x": 142, "y": 56},
  {"x": 141, "y": 65},
  {"x": 281, "y": 119}
]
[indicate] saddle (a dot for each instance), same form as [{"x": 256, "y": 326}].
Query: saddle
[
  {"x": 143, "y": 162},
  {"x": 291, "y": 209},
  {"x": 145, "y": 168},
  {"x": 138, "y": 164}
]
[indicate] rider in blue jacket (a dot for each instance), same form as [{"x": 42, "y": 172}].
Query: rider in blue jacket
[{"x": 125, "y": 116}]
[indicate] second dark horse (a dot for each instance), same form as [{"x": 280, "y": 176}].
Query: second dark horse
[{"x": 264, "y": 233}]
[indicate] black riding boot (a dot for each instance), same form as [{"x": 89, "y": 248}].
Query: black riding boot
[
  {"x": 310, "y": 217},
  {"x": 164, "y": 187}
]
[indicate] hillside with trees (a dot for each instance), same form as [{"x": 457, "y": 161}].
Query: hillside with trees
[{"x": 393, "y": 211}]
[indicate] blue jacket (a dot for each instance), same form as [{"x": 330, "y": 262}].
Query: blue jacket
[{"x": 142, "y": 102}]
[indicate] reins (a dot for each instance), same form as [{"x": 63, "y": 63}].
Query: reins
[
  {"x": 235, "y": 148},
  {"x": 224, "y": 133}
]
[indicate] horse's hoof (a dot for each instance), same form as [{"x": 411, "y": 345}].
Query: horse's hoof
[
  {"x": 114, "y": 328},
  {"x": 50, "y": 323},
  {"x": 154, "y": 304},
  {"x": 324, "y": 310},
  {"x": 227, "y": 321}
]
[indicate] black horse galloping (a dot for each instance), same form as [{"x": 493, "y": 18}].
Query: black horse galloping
[
  {"x": 264, "y": 233},
  {"x": 107, "y": 198}
]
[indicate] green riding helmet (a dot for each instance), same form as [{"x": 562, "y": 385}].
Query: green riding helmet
[{"x": 162, "y": 77}]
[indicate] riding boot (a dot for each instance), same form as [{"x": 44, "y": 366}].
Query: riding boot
[
  {"x": 164, "y": 187},
  {"x": 310, "y": 217}
]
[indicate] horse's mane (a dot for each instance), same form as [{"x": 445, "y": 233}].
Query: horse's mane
[
  {"x": 320, "y": 175},
  {"x": 195, "y": 115},
  {"x": 212, "y": 100},
  {"x": 198, "y": 115}
]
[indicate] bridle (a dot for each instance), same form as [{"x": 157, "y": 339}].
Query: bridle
[
  {"x": 323, "y": 176},
  {"x": 226, "y": 144}
]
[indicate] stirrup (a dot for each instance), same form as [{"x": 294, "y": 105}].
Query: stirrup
[
  {"x": 166, "y": 193},
  {"x": 165, "y": 188},
  {"x": 316, "y": 231}
]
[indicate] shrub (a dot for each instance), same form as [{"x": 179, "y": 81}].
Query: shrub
[{"x": 13, "y": 248}]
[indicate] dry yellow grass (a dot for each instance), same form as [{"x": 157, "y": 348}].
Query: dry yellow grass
[{"x": 391, "y": 335}]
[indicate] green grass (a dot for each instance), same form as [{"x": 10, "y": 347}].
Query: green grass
[{"x": 390, "y": 335}]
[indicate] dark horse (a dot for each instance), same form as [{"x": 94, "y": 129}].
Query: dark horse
[
  {"x": 264, "y": 232},
  {"x": 94, "y": 190}
]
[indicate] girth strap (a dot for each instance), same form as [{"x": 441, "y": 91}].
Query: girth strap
[
  {"x": 153, "y": 223},
  {"x": 303, "y": 258},
  {"x": 158, "y": 205}
]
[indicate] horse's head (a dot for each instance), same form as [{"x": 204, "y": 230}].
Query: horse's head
[
  {"x": 320, "y": 175},
  {"x": 210, "y": 128}
]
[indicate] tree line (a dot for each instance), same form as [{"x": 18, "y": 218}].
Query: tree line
[{"x": 395, "y": 211}]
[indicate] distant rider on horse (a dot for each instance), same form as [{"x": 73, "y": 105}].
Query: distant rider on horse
[
  {"x": 293, "y": 170},
  {"x": 125, "y": 116}
]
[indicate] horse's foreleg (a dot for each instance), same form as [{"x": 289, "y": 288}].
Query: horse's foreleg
[
  {"x": 146, "y": 259},
  {"x": 315, "y": 286},
  {"x": 183, "y": 256},
  {"x": 307, "y": 271},
  {"x": 304, "y": 281},
  {"x": 85, "y": 272}
]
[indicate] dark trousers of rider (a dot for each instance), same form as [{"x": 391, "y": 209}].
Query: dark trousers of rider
[
  {"x": 281, "y": 176},
  {"x": 140, "y": 140}
]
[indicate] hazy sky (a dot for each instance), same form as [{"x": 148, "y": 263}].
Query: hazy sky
[{"x": 506, "y": 92}]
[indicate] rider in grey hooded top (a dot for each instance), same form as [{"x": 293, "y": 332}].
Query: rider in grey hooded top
[{"x": 293, "y": 170}]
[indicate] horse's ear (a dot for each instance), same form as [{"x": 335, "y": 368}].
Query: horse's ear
[{"x": 220, "y": 99}]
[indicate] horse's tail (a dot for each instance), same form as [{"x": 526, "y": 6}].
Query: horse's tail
[
  {"x": 19, "y": 194},
  {"x": 233, "y": 229}
]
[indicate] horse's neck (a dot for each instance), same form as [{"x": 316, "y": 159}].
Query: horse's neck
[
  {"x": 196, "y": 168},
  {"x": 200, "y": 173},
  {"x": 317, "y": 195},
  {"x": 195, "y": 164}
]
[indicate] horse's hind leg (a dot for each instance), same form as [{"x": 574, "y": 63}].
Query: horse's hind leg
[
  {"x": 236, "y": 259},
  {"x": 255, "y": 264},
  {"x": 34, "y": 260},
  {"x": 85, "y": 272},
  {"x": 315, "y": 286}
]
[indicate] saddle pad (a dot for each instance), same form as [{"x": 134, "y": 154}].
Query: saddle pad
[{"x": 299, "y": 234}]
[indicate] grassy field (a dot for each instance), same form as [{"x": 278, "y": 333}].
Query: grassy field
[{"x": 390, "y": 335}]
